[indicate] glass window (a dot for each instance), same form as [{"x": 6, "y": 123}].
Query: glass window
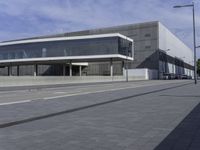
[
  {"x": 147, "y": 35},
  {"x": 125, "y": 47},
  {"x": 82, "y": 47}
]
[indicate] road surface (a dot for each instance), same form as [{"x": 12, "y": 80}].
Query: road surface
[{"x": 142, "y": 115}]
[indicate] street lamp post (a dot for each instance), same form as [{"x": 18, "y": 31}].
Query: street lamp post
[{"x": 194, "y": 38}]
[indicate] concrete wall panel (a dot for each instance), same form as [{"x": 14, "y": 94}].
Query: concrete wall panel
[{"x": 167, "y": 40}]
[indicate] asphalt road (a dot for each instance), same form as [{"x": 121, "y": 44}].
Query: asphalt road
[{"x": 143, "y": 115}]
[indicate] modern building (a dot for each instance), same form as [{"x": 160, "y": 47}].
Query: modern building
[
  {"x": 100, "y": 52},
  {"x": 61, "y": 55}
]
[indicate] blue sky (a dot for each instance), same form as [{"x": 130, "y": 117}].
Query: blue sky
[{"x": 27, "y": 18}]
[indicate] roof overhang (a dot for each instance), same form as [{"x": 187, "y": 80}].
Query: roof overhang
[
  {"x": 66, "y": 59},
  {"x": 65, "y": 39}
]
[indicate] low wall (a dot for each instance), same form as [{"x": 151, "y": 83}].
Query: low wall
[
  {"x": 142, "y": 74},
  {"x": 44, "y": 80},
  {"x": 134, "y": 74}
]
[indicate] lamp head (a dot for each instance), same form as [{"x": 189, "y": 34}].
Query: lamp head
[{"x": 178, "y": 6}]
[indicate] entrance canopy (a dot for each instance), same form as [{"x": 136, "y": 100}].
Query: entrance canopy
[{"x": 89, "y": 48}]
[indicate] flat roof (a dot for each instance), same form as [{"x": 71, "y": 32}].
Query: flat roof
[{"x": 66, "y": 39}]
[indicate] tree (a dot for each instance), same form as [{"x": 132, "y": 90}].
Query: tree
[{"x": 198, "y": 67}]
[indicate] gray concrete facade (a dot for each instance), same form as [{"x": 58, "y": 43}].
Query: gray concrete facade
[
  {"x": 145, "y": 37},
  {"x": 155, "y": 47}
]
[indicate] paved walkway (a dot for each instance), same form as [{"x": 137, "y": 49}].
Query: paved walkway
[{"x": 147, "y": 116}]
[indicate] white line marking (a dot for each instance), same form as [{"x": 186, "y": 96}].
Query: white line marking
[
  {"x": 17, "y": 91},
  {"x": 83, "y": 93},
  {"x": 17, "y": 102},
  {"x": 60, "y": 92},
  {"x": 100, "y": 91},
  {"x": 78, "y": 86}
]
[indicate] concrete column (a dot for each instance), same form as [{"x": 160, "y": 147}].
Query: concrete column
[
  {"x": 70, "y": 68},
  {"x": 80, "y": 70},
  {"x": 35, "y": 70},
  {"x": 9, "y": 70},
  {"x": 123, "y": 68},
  {"x": 18, "y": 70},
  {"x": 111, "y": 68},
  {"x": 64, "y": 69},
  {"x": 126, "y": 70}
]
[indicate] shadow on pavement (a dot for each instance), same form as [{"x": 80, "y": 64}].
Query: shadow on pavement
[{"x": 186, "y": 136}]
